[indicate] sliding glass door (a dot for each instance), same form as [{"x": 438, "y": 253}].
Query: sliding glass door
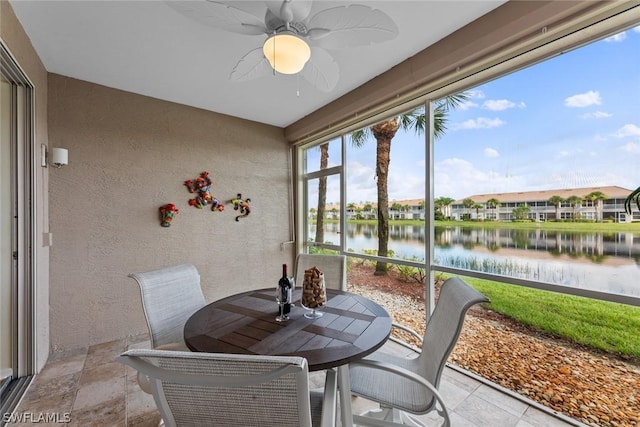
[{"x": 17, "y": 231}]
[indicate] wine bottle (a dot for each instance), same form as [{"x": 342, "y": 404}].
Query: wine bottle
[{"x": 286, "y": 289}]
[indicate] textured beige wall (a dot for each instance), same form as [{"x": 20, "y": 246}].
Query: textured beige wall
[
  {"x": 128, "y": 155},
  {"x": 16, "y": 40}
]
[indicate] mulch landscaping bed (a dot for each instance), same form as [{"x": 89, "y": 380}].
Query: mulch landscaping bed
[{"x": 593, "y": 387}]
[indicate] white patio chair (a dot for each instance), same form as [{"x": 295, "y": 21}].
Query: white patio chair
[
  {"x": 334, "y": 268},
  {"x": 404, "y": 386},
  {"x": 169, "y": 297},
  {"x": 213, "y": 389}
]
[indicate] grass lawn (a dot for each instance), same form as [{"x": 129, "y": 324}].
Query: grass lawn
[{"x": 602, "y": 325}]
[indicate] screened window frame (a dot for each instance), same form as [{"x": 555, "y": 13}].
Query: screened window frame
[
  {"x": 587, "y": 34},
  {"x": 304, "y": 244}
]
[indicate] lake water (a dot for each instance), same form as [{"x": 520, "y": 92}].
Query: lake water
[{"x": 606, "y": 262}]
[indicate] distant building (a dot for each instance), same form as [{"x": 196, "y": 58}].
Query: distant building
[
  {"x": 398, "y": 209},
  {"x": 541, "y": 209}
]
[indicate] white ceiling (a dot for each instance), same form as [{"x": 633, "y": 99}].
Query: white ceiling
[{"x": 147, "y": 47}]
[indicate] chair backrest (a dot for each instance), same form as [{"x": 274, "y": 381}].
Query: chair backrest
[
  {"x": 200, "y": 389},
  {"x": 334, "y": 268},
  {"x": 169, "y": 297},
  {"x": 444, "y": 326}
]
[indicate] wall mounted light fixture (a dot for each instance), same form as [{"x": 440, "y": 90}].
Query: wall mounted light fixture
[{"x": 56, "y": 157}]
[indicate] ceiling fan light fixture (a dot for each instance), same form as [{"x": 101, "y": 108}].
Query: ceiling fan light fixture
[{"x": 286, "y": 52}]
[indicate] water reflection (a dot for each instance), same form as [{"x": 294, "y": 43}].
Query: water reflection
[
  {"x": 604, "y": 261},
  {"x": 596, "y": 247}
]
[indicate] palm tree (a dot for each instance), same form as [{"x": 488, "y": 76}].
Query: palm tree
[
  {"x": 322, "y": 193},
  {"x": 521, "y": 212},
  {"x": 396, "y": 207},
  {"x": 468, "y": 203},
  {"x": 477, "y": 207},
  {"x": 441, "y": 203},
  {"x": 556, "y": 201},
  {"x": 493, "y": 203},
  {"x": 574, "y": 201},
  {"x": 383, "y": 133},
  {"x": 596, "y": 198}
]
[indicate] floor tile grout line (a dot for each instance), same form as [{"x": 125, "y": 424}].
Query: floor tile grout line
[{"x": 77, "y": 390}]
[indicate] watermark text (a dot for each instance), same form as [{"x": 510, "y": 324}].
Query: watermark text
[{"x": 37, "y": 417}]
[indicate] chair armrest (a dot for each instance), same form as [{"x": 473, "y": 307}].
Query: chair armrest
[
  {"x": 407, "y": 329},
  {"x": 143, "y": 380},
  {"x": 410, "y": 332},
  {"x": 384, "y": 366},
  {"x": 330, "y": 401}
]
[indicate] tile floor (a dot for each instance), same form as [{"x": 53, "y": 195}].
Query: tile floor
[{"x": 91, "y": 389}]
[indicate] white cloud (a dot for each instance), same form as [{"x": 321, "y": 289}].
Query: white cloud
[
  {"x": 596, "y": 115},
  {"x": 631, "y": 147},
  {"x": 403, "y": 186},
  {"x": 628, "y": 130},
  {"x": 464, "y": 106},
  {"x": 361, "y": 182},
  {"x": 573, "y": 152},
  {"x": 459, "y": 178},
  {"x": 479, "y": 123},
  {"x": 491, "y": 152},
  {"x": 477, "y": 94},
  {"x": 501, "y": 104},
  {"x": 403, "y": 183},
  {"x": 617, "y": 37},
  {"x": 636, "y": 29},
  {"x": 583, "y": 99}
]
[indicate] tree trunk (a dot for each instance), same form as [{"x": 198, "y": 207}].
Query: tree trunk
[
  {"x": 383, "y": 133},
  {"x": 322, "y": 193}
]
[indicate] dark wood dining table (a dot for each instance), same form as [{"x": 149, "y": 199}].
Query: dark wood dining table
[{"x": 351, "y": 328}]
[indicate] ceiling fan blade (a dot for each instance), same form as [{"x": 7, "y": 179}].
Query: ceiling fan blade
[
  {"x": 220, "y": 15},
  {"x": 322, "y": 70},
  {"x": 354, "y": 25},
  {"x": 251, "y": 66},
  {"x": 298, "y": 9}
]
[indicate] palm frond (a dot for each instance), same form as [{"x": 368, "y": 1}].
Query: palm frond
[
  {"x": 359, "y": 137},
  {"x": 631, "y": 198},
  {"x": 414, "y": 119},
  {"x": 452, "y": 101}
]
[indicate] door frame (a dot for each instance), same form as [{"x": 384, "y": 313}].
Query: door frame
[{"x": 23, "y": 196}]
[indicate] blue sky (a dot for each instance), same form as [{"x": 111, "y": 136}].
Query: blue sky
[{"x": 572, "y": 121}]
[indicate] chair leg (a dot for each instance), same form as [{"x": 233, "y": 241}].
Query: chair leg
[
  {"x": 386, "y": 416},
  {"x": 408, "y": 419}
]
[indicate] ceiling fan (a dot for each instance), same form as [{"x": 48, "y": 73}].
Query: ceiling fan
[{"x": 295, "y": 42}]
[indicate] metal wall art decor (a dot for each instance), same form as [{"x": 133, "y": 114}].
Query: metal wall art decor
[
  {"x": 242, "y": 206},
  {"x": 202, "y": 186},
  {"x": 167, "y": 213}
]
